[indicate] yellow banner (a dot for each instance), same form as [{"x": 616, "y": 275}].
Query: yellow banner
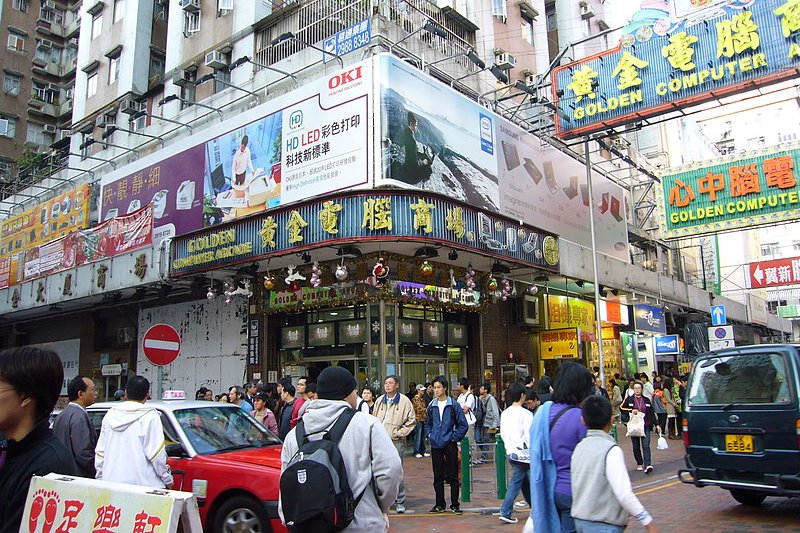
[
  {"x": 555, "y": 343},
  {"x": 566, "y": 312},
  {"x": 46, "y": 222}
]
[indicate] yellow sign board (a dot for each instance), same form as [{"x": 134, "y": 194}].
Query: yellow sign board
[
  {"x": 567, "y": 312},
  {"x": 46, "y": 222},
  {"x": 555, "y": 343}
]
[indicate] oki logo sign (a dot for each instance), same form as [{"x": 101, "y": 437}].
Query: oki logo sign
[{"x": 344, "y": 78}]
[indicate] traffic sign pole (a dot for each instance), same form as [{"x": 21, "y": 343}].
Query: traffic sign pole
[{"x": 161, "y": 345}]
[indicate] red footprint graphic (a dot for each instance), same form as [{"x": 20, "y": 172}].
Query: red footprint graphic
[{"x": 36, "y": 510}]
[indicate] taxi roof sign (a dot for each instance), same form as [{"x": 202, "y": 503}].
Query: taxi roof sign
[{"x": 174, "y": 395}]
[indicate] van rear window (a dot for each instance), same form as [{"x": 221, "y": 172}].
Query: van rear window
[{"x": 745, "y": 379}]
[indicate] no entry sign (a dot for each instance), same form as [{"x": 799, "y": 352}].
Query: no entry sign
[{"x": 161, "y": 344}]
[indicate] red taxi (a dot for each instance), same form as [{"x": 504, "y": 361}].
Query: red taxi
[{"x": 225, "y": 457}]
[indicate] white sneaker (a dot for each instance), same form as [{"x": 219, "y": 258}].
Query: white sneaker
[
  {"x": 418, "y": 456},
  {"x": 520, "y": 504},
  {"x": 508, "y": 519},
  {"x": 426, "y": 454},
  {"x": 400, "y": 508}
]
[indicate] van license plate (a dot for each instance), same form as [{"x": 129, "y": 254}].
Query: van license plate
[{"x": 739, "y": 443}]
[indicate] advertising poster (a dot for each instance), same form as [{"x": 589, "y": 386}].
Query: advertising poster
[
  {"x": 436, "y": 139},
  {"x": 312, "y": 141},
  {"x": 555, "y": 343},
  {"x": 112, "y": 237}
]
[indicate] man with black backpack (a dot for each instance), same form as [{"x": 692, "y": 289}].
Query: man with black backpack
[{"x": 334, "y": 441}]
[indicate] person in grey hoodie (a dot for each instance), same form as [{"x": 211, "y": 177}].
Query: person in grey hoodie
[
  {"x": 373, "y": 465},
  {"x": 130, "y": 448}
]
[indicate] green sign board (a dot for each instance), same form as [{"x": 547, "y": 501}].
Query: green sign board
[
  {"x": 757, "y": 188},
  {"x": 789, "y": 311},
  {"x": 630, "y": 353}
]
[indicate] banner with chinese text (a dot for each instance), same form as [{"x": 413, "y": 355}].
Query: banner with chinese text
[
  {"x": 664, "y": 64},
  {"x": 753, "y": 189},
  {"x": 555, "y": 343}
]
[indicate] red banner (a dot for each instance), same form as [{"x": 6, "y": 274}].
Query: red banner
[
  {"x": 113, "y": 237},
  {"x": 774, "y": 273}
]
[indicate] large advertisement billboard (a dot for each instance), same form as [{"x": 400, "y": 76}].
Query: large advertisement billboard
[
  {"x": 662, "y": 65},
  {"x": 312, "y": 141},
  {"x": 435, "y": 139}
]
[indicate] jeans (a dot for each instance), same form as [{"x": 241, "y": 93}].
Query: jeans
[
  {"x": 586, "y": 526},
  {"x": 445, "y": 469},
  {"x": 400, "y": 446},
  {"x": 641, "y": 448},
  {"x": 519, "y": 480},
  {"x": 419, "y": 438},
  {"x": 482, "y": 436},
  {"x": 564, "y": 506}
]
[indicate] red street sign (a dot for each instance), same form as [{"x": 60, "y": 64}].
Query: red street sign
[
  {"x": 775, "y": 272},
  {"x": 161, "y": 344}
]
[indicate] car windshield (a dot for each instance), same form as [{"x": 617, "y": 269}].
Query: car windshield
[
  {"x": 218, "y": 429},
  {"x": 740, "y": 379}
]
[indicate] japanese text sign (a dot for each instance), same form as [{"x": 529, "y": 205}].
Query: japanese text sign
[
  {"x": 677, "y": 64},
  {"x": 350, "y": 217},
  {"x": 564, "y": 312},
  {"x": 785, "y": 271},
  {"x": 555, "y": 343},
  {"x": 757, "y": 188},
  {"x": 78, "y": 505}
]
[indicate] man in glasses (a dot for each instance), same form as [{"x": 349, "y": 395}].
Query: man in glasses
[{"x": 30, "y": 383}]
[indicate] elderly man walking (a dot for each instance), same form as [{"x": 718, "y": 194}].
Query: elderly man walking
[{"x": 396, "y": 413}]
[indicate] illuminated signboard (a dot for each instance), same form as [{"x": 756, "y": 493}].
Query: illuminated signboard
[
  {"x": 736, "y": 192},
  {"x": 556, "y": 343},
  {"x": 677, "y": 64},
  {"x": 350, "y": 217}
]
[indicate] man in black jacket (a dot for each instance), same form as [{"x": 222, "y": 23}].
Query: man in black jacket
[
  {"x": 73, "y": 427},
  {"x": 30, "y": 383},
  {"x": 285, "y": 418}
]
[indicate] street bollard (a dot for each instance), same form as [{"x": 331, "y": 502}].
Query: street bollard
[
  {"x": 465, "y": 472},
  {"x": 500, "y": 467}
]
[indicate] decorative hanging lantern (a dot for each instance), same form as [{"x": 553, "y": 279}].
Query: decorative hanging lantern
[
  {"x": 341, "y": 272},
  {"x": 491, "y": 285},
  {"x": 506, "y": 290},
  {"x": 426, "y": 269},
  {"x": 211, "y": 294},
  {"x": 469, "y": 278},
  {"x": 316, "y": 272},
  {"x": 380, "y": 270},
  {"x": 269, "y": 282}
]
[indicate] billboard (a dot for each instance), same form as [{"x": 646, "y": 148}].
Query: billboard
[
  {"x": 664, "y": 65},
  {"x": 649, "y": 319},
  {"x": 435, "y": 139},
  {"x": 554, "y": 343},
  {"x": 312, "y": 141},
  {"x": 757, "y": 188},
  {"x": 773, "y": 273},
  {"x": 667, "y": 344}
]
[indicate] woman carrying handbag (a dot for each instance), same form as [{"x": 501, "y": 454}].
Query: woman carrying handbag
[{"x": 635, "y": 404}]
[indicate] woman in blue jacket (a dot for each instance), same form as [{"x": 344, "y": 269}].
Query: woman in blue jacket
[{"x": 445, "y": 426}]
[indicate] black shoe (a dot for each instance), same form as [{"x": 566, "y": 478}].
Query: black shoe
[
  {"x": 436, "y": 509},
  {"x": 456, "y": 509}
]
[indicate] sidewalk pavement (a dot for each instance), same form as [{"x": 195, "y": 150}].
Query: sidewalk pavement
[{"x": 483, "y": 497}]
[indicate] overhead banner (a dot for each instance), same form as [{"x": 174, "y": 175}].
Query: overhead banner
[
  {"x": 436, "y": 139},
  {"x": 773, "y": 273},
  {"x": 757, "y": 188},
  {"x": 664, "y": 64},
  {"x": 112, "y": 237},
  {"x": 312, "y": 141},
  {"x": 351, "y": 217}
]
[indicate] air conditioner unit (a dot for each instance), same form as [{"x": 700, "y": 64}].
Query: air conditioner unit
[
  {"x": 63, "y": 134},
  {"x": 104, "y": 120},
  {"x": 180, "y": 78},
  {"x": 44, "y": 43},
  {"x": 129, "y": 106},
  {"x": 190, "y": 5},
  {"x": 529, "y": 310},
  {"x": 586, "y": 11},
  {"x": 49, "y": 128},
  {"x": 74, "y": 42},
  {"x": 530, "y": 78},
  {"x": 505, "y": 60},
  {"x": 603, "y": 25},
  {"x": 49, "y": 5},
  {"x": 216, "y": 60}
]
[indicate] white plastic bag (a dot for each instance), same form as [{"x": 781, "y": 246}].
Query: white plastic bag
[
  {"x": 635, "y": 426},
  {"x": 528, "y": 527},
  {"x": 662, "y": 442}
]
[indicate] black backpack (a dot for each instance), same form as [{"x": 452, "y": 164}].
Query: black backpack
[
  {"x": 315, "y": 493},
  {"x": 480, "y": 411}
]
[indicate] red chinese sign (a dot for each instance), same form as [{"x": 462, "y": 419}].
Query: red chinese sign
[
  {"x": 774, "y": 273},
  {"x": 113, "y": 237}
]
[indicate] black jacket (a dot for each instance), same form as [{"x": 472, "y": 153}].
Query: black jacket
[
  {"x": 39, "y": 453},
  {"x": 73, "y": 428},
  {"x": 285, "y": 419},
  {"x": 649, "y": 414}
]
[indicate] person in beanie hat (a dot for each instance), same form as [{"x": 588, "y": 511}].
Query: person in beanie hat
[{"x": 367, "y": 451}]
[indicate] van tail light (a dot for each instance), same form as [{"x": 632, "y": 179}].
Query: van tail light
[
  {"x": 685, "y": 424},
  {"x": 797, "y": 432}
]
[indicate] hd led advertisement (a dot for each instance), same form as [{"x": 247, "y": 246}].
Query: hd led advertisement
[{"x": 435, "y": 139}]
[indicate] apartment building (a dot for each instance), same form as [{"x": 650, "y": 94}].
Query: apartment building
[{"x": 41, "y": 44}]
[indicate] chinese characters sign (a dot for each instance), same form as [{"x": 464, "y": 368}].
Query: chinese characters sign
[
  {"x": 565, "y": 312},
  {"x": 677, "y": 65},
  {"x": 759, "y": 188},
  {"x": 773, "y": 273},
  {"x": 555, "y": 343},
  {"x": 356, "y": 216}
]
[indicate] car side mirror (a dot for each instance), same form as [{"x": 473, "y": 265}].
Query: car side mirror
[{"x": 175, "y": 450}]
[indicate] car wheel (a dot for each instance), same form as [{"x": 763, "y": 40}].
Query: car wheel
[
  {"x": 241, "y": 514},
  {"x": 748, "y": 497}
]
